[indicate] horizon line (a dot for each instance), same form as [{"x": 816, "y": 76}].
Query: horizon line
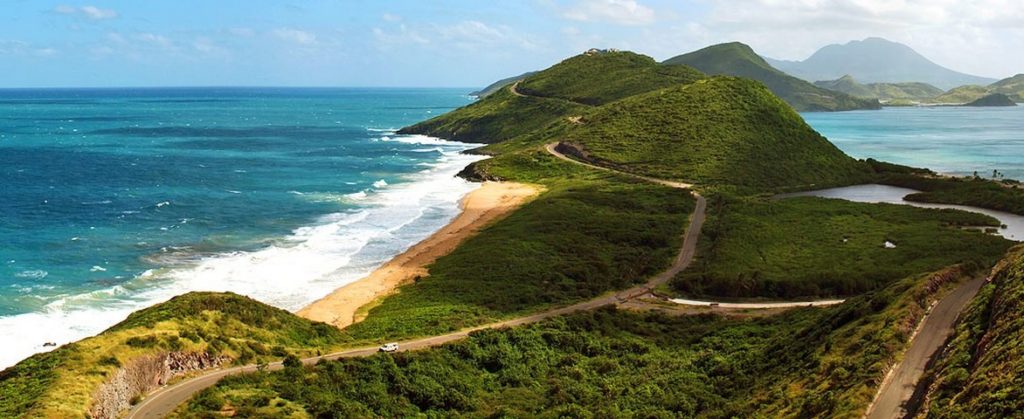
[{"x": 229, "y": 87}]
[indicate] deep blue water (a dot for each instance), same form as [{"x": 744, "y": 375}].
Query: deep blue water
[
  {"x": 111, "y": 200},
  {"x": 955, "y": 140}
]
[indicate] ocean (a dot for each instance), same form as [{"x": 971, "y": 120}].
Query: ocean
[
  {"x": 952, "y": 140},
  {"x": 113, "y": 199}
]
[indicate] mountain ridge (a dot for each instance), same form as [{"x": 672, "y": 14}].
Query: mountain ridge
[
  {"x": 738, "y": 59},
  {"x": 876, "y": 60}
]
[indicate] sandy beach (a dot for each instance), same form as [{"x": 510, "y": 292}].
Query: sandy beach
[{"x": 491, "y": 201}]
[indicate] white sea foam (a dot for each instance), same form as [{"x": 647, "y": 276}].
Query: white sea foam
[
  {"x": 32, "y": 274},
  {"x": 380, "y": 184},
  {"x": 306, "y": 265}
]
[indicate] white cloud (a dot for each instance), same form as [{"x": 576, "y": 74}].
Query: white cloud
[
  {"x": 388, "y": 17},
  {"x": 295, "y": 35},
  {"x": 89, "y": 12},
  {"x": 14, "y": 47},
  {"x": 621, "y": 12}
]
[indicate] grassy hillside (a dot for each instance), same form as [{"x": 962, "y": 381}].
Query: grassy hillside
[
  {"x": 602, "y": 77},
  {"x": 960, "y": 95},
  {"x": 979, "y": 373},
  {"x": 881, "y": 91},
  {"x": 1011, "y": 86},
  {"x": 500, "y": 84},
  {"x": 580, "y": 238},
  {"x": 496, "y": 118},
  {"x": 721, "y": 131},
  {"x": 201, "y": 327},
  {"x": 736, "y": 59},
  {"x": 566, "y": 89},
  {"x": 813, "y": 247},
  {"x": 608, "y": 363}
]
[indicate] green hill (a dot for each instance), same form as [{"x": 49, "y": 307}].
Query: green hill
[
  {"x": 881, "y": 91},
  {"x": 736, "y": 59},
  {"x": 994, "y": 99},
  {"x": 498, "y": 85},
  {"x": 724, "y": 131},
  {"x": 1012, "y": 87},
  {"x": 565, "y": 89},
  {"x": 596, "y": 78},
  {"x": 978, "y": 375},
  {"x": 961, "y": 95},
  {"x": 102, "y": 375}
]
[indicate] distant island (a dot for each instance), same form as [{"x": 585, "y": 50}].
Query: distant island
[
  {"x": 995, "y": 99},
  {"x": 876, "y": 60}
]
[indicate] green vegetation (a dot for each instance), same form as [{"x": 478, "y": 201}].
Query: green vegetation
[
  {"x": 736, "y": 59},
  {"x": 1012, "y": 87},
  {"x": 961, "y": 95},
  {"x": 1005, "y": 195},
  {"x": 978, "y": 374},
  {"x": 720, "y": 131},
  {"x": 564, "y": 90},
  {"x": 62, "y": 383},
  {"x": 883, "y": 91},
  {"x": 500, "y": 84},
  {"x": 576, "y": 241},
  {"x": 813, "y": 247},
  {"x": 994, "y": 99},
  {"x": 609, "y": 363},
  {"x": 603, "y": 77},
  {"x": 496, "y": 118}
]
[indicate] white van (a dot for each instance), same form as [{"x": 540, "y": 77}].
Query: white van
[{"x": 389, "y": 347}]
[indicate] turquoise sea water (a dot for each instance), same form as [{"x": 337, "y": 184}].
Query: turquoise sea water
[
  {"x": 955, "y": 140},
  {"x": 111, "y": 200}
]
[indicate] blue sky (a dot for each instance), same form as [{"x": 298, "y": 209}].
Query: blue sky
[{"x": 455, "y": 42}]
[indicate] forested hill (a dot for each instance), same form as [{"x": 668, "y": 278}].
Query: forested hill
[{"x": 737, "y": 59}]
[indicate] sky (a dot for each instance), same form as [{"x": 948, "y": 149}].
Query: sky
[{"x": 459, "y": 43}]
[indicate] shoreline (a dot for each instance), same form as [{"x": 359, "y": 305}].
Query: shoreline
[{"x": 482, "y": 206}]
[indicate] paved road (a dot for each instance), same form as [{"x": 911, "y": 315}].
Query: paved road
[
  {"x": 162, "y": 402},
  {"x": 758, "y": 305},
  {"x": 898, "y": 389}
]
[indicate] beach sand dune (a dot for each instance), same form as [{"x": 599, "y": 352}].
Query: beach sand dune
[{"x": 484, "y": 205}]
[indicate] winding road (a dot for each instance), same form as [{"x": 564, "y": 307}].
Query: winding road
[
  {"x": 895, "y": 396},
  {"x": 163, "y": 401}
]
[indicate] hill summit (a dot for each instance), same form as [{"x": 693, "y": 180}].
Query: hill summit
[{"x": 737, "y": 59}]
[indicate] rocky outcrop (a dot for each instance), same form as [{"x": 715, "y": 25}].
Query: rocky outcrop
[
  {"x": 145, "y": 374},
  {"x": 474, "y": 173}
]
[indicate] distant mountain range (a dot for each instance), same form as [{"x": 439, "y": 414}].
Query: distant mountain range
[
  {"x": 737, "y": 59},
  {"x": 875, "y": 60}
]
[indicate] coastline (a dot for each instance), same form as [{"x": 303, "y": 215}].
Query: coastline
[{"x": 493, "y": 200}]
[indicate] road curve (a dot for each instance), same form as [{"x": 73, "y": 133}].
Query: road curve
[
  {"x": 898, "y": 388},
  {"x": 758, "y": 305},
  {"x": 163, "y": 401}
]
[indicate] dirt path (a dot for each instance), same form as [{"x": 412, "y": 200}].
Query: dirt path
[
  {"x": 514, "y": 88},
  {"x": 898, "y": 388},
  {"x": 163, "y": 401}
]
